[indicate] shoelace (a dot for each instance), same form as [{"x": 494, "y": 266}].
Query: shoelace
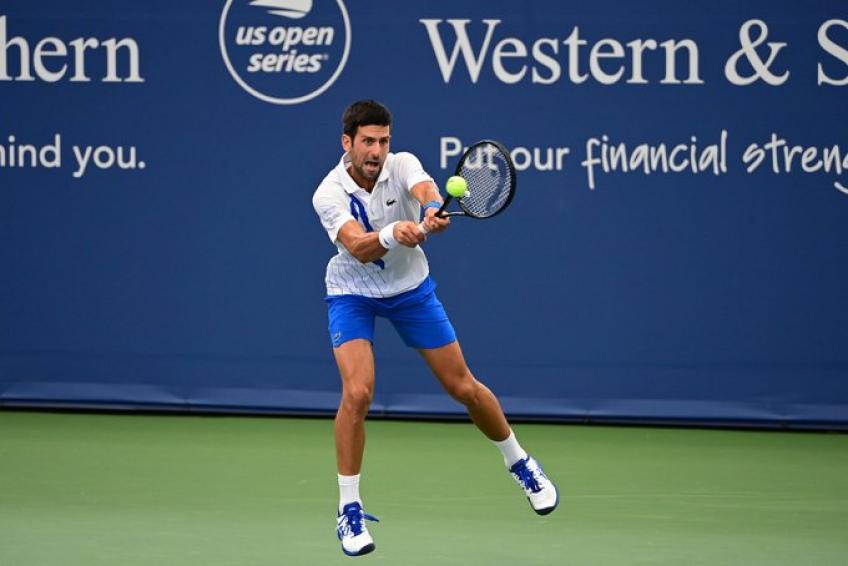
[
  {"x": 352, "y": 522},
  {"x": 526, "y": 477}
]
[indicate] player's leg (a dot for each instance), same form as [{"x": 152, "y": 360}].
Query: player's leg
[
  {"x": 352, "y": 330},
  {"x": 448, "y": 365},
  {"x": 422, "y": 322},
  {"x": 355, "y": 361}
]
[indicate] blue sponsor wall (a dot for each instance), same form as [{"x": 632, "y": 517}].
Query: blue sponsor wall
[{"x": 159, "y": 250}]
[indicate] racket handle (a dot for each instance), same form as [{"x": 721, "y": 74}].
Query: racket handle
[{"x": 441, "y": 211}]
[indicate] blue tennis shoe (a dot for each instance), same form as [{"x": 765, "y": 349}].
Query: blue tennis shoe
[
  {"x": 351, "y": 530},
  {"x": 541, "y": 492}
]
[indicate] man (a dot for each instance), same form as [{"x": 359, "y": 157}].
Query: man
[{"x": 370, "y": 205}]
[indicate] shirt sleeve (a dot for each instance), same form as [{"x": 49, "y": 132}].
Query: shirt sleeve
[
  {"x": 332, "y": 205},
  {"x": 410, "y": 171}
]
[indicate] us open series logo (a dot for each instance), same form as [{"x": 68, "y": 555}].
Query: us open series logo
[{"x": 285, "y": 51}]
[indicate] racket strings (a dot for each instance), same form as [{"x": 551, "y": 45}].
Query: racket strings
[{"x": 489, "y": 179}]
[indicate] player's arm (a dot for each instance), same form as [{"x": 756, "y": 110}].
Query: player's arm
[
  {"x": 428, "y": 195},
  {"x": 371, "y": 246}
]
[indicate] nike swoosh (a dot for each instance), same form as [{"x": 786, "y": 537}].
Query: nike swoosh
[{"x": 391, "y": 202}]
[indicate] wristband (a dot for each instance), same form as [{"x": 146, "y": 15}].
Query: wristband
[
  {"x": 387, "y": 236},
  {"x": 433, "y": 204}
]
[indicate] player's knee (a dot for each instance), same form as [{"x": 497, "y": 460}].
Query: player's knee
[
  {"x": 464, "y": 390},
  {"x": 358, "y": 398}
]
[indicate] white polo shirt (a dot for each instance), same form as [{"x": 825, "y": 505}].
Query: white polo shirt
[{"x": 339, "y": 199}]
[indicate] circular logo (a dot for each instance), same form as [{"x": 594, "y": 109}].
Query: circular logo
[{"x": 284, "y": 51}]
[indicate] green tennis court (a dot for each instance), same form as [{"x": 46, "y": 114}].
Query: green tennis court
[{"x": 91, "y": 489}]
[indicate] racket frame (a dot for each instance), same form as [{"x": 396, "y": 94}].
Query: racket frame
[{"x": 465, "y": 212}]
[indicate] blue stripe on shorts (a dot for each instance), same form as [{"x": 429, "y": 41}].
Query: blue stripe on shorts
[{"x": 417, "y": 315}]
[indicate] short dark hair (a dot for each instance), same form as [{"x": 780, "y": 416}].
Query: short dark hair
[{"x": 365, "y": 113}]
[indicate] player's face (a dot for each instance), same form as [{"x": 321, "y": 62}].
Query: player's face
[{"x": 368, "y": 150}]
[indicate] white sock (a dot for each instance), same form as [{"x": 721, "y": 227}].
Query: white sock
[
  {"x": 348, "y": 490},
  {"x": 511, "y": 450}
]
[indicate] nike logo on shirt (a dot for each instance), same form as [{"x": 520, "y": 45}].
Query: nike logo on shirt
[{"x": 390, "y": 202}]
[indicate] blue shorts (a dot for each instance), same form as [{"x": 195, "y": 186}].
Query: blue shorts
[{"x": 417, "y": 315}]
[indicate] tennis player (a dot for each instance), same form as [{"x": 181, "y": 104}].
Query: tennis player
[{"x": 370, "y": 205}]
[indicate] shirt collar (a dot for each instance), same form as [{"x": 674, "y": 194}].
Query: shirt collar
[{"x": 347, "y": 181}]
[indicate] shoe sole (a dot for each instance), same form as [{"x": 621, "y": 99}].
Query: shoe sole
[{"x": 364, "y": 550}]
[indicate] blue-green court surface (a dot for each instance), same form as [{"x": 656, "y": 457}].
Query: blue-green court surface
[{"x": 97, "y": 489}]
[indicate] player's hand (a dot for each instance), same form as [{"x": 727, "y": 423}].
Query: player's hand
[
  {"x": 433, "y": 223},
  {"x": 408, "y": 234}
]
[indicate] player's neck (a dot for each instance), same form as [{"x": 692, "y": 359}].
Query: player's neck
[{"x": 361, "y": 181}]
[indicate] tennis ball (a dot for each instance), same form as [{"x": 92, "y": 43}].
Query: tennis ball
[{"x": 457, "y": 187}]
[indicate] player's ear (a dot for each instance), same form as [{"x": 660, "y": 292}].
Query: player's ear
[{"x": 347, "y": 143}]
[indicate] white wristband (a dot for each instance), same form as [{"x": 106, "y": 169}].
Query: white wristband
[{"x": 387, "y": 236}]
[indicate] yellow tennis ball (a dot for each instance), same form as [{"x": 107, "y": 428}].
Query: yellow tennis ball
[{"x": 457, "y": 187}]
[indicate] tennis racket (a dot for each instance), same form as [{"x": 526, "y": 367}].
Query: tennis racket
[{"x": 490, "y": 175}]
